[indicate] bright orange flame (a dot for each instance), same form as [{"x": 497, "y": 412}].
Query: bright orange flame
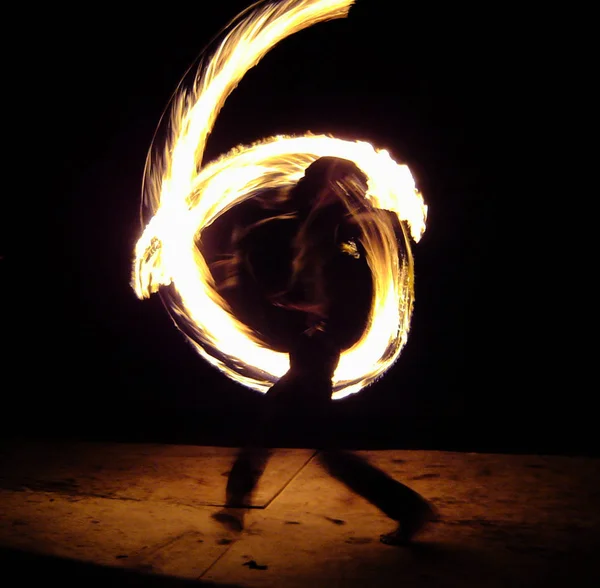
[{"x": 184, "y": 198}]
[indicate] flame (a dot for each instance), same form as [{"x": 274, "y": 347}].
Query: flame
[{"x": 183, "y": 196}]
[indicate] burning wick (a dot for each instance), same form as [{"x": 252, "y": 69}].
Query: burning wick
[{"x": 183, "y": 195}]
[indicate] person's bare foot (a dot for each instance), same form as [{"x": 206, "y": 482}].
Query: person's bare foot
[
  {"x": 231, "y": 518},
  {"x": 409, "y": 528}
]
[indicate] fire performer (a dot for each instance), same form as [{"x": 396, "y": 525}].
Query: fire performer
[{"x": 330, "y": 212}]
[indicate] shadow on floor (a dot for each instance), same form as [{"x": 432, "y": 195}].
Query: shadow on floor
[{"x": 21, "y": 568}]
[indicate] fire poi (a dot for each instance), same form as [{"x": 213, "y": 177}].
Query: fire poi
[{"x": 183, "y": 195}]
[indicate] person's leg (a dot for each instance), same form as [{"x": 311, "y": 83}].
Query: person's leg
[
  {"x": 399, "y": 502},
  {"x": 244, "y": 476},
  {"x": 247, "y": 469}
]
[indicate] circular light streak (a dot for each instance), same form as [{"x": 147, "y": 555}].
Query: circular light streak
[{"x": 182, "y": 196}]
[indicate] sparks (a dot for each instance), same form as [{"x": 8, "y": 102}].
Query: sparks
[{"x": 183, "y": 195}]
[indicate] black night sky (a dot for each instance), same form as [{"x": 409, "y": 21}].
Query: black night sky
[{"x": 452, "y": 93}]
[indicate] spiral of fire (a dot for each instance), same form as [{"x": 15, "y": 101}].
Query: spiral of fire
[{"x": 183, "y": 195}]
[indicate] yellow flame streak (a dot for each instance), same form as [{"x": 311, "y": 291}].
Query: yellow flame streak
[{"x": 185, "y": 198}]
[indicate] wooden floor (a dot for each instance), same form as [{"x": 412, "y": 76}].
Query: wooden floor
[{"x": 126, "y": 514}]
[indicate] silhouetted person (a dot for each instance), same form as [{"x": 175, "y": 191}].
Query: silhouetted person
[{"x": 326, "y": 203}]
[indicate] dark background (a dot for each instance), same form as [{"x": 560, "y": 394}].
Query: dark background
[{"x": 467, "y": 99}]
